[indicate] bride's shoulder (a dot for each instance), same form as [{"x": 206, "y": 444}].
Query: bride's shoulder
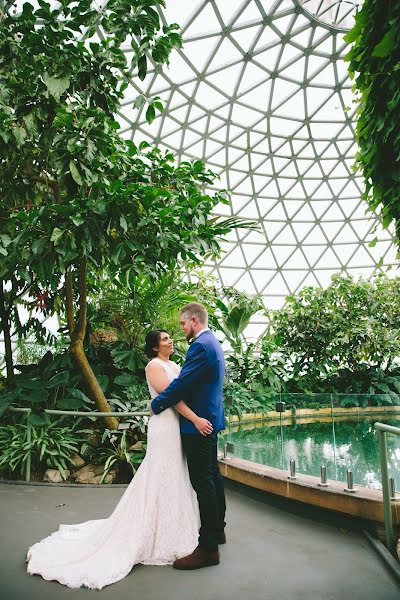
[{"x": 153, "y": 363}]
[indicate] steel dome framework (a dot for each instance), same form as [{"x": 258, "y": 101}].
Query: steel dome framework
[{"x": 260, "y": 92}]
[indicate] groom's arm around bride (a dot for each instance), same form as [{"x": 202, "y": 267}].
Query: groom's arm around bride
[{"x": 200, "y": 381}]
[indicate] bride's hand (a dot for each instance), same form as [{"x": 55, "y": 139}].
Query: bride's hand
[{"x": 203, "y": 426}]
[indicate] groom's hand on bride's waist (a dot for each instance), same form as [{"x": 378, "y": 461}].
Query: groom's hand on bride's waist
[{"x": 203, "y": 426}]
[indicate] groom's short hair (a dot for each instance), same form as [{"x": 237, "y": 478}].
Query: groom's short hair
[{"x": 195, "y": 309}]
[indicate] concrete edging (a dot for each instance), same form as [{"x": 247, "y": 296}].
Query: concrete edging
[{"x": 364, "y": 504}]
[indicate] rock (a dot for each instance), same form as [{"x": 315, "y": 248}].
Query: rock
[
  {"x": 54, "y": 476},
  {"x": 94, "y": 439},
  {"x": 110, "y": 478},
  {"x": 78, "y": 461},
  {"x": 93, "y": 474},
  {"x": 137, "y": 446}
]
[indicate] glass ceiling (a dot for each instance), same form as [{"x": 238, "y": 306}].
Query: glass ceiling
[{"x": 260, "y": 92}]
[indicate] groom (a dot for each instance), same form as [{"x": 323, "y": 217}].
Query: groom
[{"x": 200, "y": 386}]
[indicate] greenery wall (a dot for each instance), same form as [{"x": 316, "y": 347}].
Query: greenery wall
[
  {"x": 374, "y": 64},
  {"x": 339, "y": 344}
]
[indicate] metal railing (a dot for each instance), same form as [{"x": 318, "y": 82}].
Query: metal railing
[
  {"x": 69, "y": 413},
  {"x": 382, "y": 430}
]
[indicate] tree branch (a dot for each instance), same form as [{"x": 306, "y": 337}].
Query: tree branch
[
  {"x": 80, "y": 329},
  {"x": 69, "y": 303},
  {"x": 51, "y": 184},
  {"x": 5, "y": 326}
]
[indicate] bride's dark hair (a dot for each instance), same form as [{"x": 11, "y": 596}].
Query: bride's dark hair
[{"x": 152, "y": 341}]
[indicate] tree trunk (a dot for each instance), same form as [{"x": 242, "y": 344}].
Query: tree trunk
[
  {"x": 5, "y": 320},
  {"x": 77, "y": 332},
  {"x": 95, "y": 391}
]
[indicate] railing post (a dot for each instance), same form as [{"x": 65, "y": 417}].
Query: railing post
[
  {"x": 28, "y": 439},
  {"x": 386, "y": 491}
]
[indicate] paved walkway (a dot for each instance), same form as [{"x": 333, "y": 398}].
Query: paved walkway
[{"x": 271, "y": 554}]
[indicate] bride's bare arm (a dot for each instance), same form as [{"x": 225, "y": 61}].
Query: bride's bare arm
[
  {"x": 157, "y": 377},
  {"x": 159, "y": 381}
]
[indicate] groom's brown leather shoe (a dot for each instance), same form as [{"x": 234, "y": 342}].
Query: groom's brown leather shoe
[
  {"x": 221, "y": 537},
  {"x": 199, "y": 558}
]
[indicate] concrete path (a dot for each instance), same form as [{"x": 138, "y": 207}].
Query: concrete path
[{"x": 271, "y": 554}]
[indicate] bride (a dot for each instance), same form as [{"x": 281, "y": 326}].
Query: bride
[{"x": 157, "y": 518}]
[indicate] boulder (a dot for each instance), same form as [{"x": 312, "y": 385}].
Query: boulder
[
  {"x": 93, "y": 474},
  {"x": 78, "y": 461},
  {"x": 54, "y": 476}
]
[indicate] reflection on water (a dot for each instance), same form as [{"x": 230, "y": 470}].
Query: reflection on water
[{"x": 348, "y": 445}]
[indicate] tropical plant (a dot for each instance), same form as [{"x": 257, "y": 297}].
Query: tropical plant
[
  {"x": 374, "y": 63},
  {"x": 50, "y": 446},
  {"x": 131, "y": 311},
  {"x": 366, "y": 386},
  {"x": 52, "y": 383},
  {"x": 349, "y": 325},
  {"x": 119, "y": 454},
  {"x": 233, "y": 316},
  {"x": 131, "y": 394}
]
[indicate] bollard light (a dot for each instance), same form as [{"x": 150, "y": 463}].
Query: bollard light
[
  {"x": 323, "y": 482},
  {"x": 230, "y": 447},
  {"x": 350, "y": 485},
  {"x": 392, "y": 488},
  {"x": 292, "y": 469}
]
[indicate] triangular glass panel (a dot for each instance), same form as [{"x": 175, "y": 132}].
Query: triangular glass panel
[
  {"x": 227, "y": 54},
  {"x": 244, "y": 38},
  {"x": 252, "y": 252},
  {"x": 277, "y": 285},
  {"x": 200, "y": 51},
  {"x": 301, "y": 230},
  {"x": 285, "y": 237},
  {"x": 315, "y": 237},
  {"x": 249, "y": 15},
  {"x": 245, "y": 284},
  {"x": 282, "y": 253},
  {"x": 204, "y": 22},
  {"x": 234, "y": 258},
  {"x": 226, "y": 79}
]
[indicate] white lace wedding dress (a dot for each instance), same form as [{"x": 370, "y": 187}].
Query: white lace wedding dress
[{"x": 155, "y": 522}]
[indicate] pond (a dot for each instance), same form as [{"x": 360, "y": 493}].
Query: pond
[{"x": 339, "y": 445}]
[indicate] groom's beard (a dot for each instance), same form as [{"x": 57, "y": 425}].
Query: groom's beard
[{"x": 190, "y": 335}]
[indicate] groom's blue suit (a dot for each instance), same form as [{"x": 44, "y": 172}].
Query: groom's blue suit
[{"x": 199, "y": 384}]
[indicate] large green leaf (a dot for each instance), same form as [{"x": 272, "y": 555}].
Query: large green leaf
[
  {"x": 59, "y": 380},
  {"x": 125, "y": 380},
  {"x": 387, "y": 43},
  {"x": 56, "y": 86},
  {"x": 75, "y": 173}
]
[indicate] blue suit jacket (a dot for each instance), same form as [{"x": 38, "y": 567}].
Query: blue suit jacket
[{"x": 199, "y": 384}]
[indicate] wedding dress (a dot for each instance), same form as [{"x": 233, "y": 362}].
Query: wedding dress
[{"x": 155, "y": 521}]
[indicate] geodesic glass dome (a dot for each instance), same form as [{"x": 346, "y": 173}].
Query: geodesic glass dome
[{"x": 260, "y": 92}]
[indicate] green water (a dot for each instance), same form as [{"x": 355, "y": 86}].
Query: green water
[{"x": 340, "y": 446}]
